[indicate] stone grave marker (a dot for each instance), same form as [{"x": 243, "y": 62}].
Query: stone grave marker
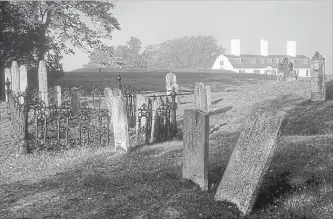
[
  {"x": 170, "y": 79},
  {"x": 209, "y": 96},
  {"x": 317, "y": 73},
  {"x": 176, "y": 87},
  {"x": 155, "y": 121},
  {"x": 251, "y": 158},
  {"x": 196, "y": 147},
  {"x": 75, "y": 100},
  {"x": 15, "y": 77},
  {"x": 285, "y": 70},
  {"x": 8, "y": 76},
  {"x": 23, "y": 81},
  {"x": 140, "y": 100},
  {"x": 42, "y": 82},
  {"x": 58, "y": 95},
  {"x": 200, "y": 96},
  {"x": 120, "y": 123}
]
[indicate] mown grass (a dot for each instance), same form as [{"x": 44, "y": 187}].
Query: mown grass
[{"x": 147, "y": 183}]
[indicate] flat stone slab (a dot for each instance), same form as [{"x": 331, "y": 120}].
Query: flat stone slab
[{"x": 250, "y": 159}]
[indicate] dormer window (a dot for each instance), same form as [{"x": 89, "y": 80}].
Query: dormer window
[
  {"x": 305, "y": 61},
  {"x": 239, "y": 60},
  {"x": 262, "y": 61},
  {"x": 221, "y": 63},
  {"x": 270, "y": 60},
  {"x": 254, "y": 60}
]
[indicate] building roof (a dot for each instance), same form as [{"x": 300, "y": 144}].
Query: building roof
[
  {"x": 248, "y": 63},
  {"x": 247, "y": 56}
]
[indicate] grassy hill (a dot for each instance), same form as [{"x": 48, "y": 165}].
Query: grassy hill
[{"x": 146, "y": 183}]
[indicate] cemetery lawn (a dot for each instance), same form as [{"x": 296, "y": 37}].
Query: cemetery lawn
[{"x": 146, "y": 182}]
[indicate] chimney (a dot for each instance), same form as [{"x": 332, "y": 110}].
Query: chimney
[
  {"x": 235, "y": 47},
  {"x": 264, "y": 47},
  {"x": 291, "y": 48}
]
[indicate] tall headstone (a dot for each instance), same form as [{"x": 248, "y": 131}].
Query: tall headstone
[
  {"x": 15, "y": 77},
  {"x": 58, "y": 95},
  {"x": 209, "y": 96},
  {"x": 155, "y": 121},
  {"x": 23, "y": 81},
  {"x": 8, "y": 76},
  {"x": 196, "y": 147},
  {"x": 120, "y": 123},
  {"x": 176, "y": 87},
  {"x": 42, "y": 82},
  {"x": 140, "y": 100},
  {"x": 200, "y": 96},
  {"x": 317, "y": 73},
  {"x": 250, "y": 159},
  {"x": 170, "y": 79},
  {"x": 75, "y": 100}
]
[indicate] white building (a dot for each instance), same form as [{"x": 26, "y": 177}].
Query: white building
[{"x": 263, "y": 63}]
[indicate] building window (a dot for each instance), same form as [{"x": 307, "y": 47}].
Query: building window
[
  {"x": 239, "y": 60},
  {"x": 221, "y": 63},
  {"x": 270, "y": 60},
  {"x": 307, "y": 73},
  {"x": 277, "y": 60},
  {"x": 253, "y": 60},
  {"x": 241, "y": 71},
  {"x": 305, "y": 61},
  {"x": 256, "y": 71},
  {"x": 262, "y": 61}
]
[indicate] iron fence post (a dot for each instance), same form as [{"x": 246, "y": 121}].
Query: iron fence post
[
  {"x": 119, "y": 81},
  {"x": 8, "y": 91},
  {"x": 173, "y": 118},
  {"x": 26, "y": 108}
]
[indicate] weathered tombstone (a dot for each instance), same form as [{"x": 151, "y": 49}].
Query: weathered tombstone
[
  {"x": 15, "y": 77},
  {"x": 42, "y": 82},
  {"x": 75, "y": 100},
  {"x": 155, "y": 121},
  {"x": 286, "y": 70},
  {"x": 250, "y": 159},
  {"x": 176, "y": 87},
  {"x": 140, "y": 100},
  {"x": 8, "y": 76},
  {"x": 23, "y": 81},
  {"x": 317, "y": 73},
  {"x": 58, "y": 100},
  {"x": 209, "y": 96},
  {"x": 108, "y": 95},
  {"x": 196, "y": 147},
  {"x": 120, "y": 123},
  {"x": 200, "y": 96},
  {"x": 170, "y": 79}
]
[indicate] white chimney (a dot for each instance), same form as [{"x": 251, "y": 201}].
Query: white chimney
[
  {"x": 235, "y": 47},
  {"x": 264, "y": 47},
  {"x": 291, "y": 48}
]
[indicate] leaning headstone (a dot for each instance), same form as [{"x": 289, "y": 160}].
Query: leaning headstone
[
  {"x": 120, "y": 123},
  {"x": 42, "y": 82},
  {"x": 200, "y": 96},
  {"x": 317, "y": 73},
  {"x": 23, "y": 81},
  {"x": 57, "y": 95},
  {"x": 170, "y": 79},
  {"x": 15, "y": 77},
  {"x": 196, "y": 147},
  {"x": 250, "y": 159},
  {"x": 75, "y": 100},
  {"x": 140, "y": 100},
  {"x": 209, "y": 96},
  {"x": 155, "y": 121},
  {"x": 8, "y": 76}
]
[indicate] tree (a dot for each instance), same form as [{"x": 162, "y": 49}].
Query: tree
[
  {"x": 102, "y": 58},
  {"x": 58, "y": 22}
]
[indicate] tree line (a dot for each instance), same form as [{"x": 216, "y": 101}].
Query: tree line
[{"x": 181, "y": 53}]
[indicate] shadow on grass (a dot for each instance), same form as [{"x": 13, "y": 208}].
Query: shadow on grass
[{"x": 217, "y": 101}]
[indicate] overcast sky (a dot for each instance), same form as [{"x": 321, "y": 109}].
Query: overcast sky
[{"x": 309, "y": 23}]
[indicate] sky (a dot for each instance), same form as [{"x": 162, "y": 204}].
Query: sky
[{"x": 309, "y": 23}]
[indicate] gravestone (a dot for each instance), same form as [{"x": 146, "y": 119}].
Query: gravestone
[
  {"x": 200, "y": 96},
  {"x": 8, "y": 76},
  {"x": 170, "y": 79},
  {"x": 286, "y": 70},
  {"x": 15, "y": 77},
  {"x": 23, "y": 81},
  {"x": 250, "y": 159},
  {"x": 317, "y": 73},
  {"x": 140, "y": 100},
  {"x": 120, "y": 123},
  {"x": 155, "y": 121},
  {"x": 75, "y": 100},
  {"x": 58, "y": 100},
  {"x": 196, "y": 147},
  {"x": 42, "y": 82},
  {"x": 176, "y": 87},
  {"x": 209, "y": 96}
]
